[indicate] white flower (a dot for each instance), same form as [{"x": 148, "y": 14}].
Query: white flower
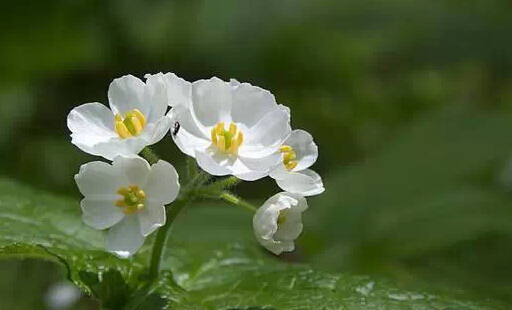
[
  {"x": 178, "y": 91},
  {"x": 128, "y": 197},
  {"x": 299, "y": 152},
  {"x": 136, "y": 119},
  {"x": 278, "y": 222},
  {"x": 232, "y": 128}
]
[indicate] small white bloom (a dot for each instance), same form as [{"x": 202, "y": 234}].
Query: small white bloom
[
  {"x": 232, "y": 128},
  {"x": 136, "y": 119},
  {"x": 278, "y": 222},
  {"x": 128, "y": 197},
  {"x": 178, "y": 91},
  {"x": 299, "y": 152}
]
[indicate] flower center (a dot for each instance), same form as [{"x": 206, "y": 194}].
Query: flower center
[
  {"x": 132, "y": 199},
  {"x": 289, "y": 157},
  {"x": 227, "y": 141},
  {"x": 132, "y": 124}
]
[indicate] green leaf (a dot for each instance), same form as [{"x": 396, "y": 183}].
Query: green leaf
[{"x": 211, "y": 261}]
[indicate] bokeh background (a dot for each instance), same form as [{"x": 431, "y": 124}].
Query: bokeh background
[{"x": 409, "y": 101}]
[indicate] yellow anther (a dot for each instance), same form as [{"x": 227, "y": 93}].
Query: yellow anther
[
  {"x": 289, "y": 157},
  {"x": 289, "y": 166},
  {"x": 132, "y": 199},
  {"x": 285, "y": 149},
  {"x": 227, "y": 141},
  {"x": 142, "y": 194},
  {"x": 221, "y": 143},
  {"x": 122, "y": 191},
  {"x": 132, "y": 124},
  {"x": 232, "y": 129},
  {"x": 214, "y": 137},
  {"x": 240, "y": 138},
  {"x": 140, "y": 117},
  {"x": 122, "y": 131}
]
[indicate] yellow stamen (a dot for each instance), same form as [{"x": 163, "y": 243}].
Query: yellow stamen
[
  {"x": 289, "y": 157},
  {"x": 132, "y": 124},
  {"x": 214, "y": 137},
  {"x": 285, "y": 148},
  {"x": 232, "y": 129},
  {"x": 140, "y": 117},
  {"x": 122, "y": 131},
  {"x": 142, "y": 194},
  {"x": 132, "y": 199},
  {"x": 289, "y": 166},
  {"x": 227, "y": 141}
]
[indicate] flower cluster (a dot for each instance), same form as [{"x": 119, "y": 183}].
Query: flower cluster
[{"x": 229, "y": 128}]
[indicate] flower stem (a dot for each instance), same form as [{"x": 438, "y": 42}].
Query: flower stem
[
  {"x": 149, "y": 155},
  {"x": 161, "y": 237},
  {"x": 227, "y": 196},
  {"x": 220, "y": 185}
]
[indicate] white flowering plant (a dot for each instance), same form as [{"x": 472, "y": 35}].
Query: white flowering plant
[
  {"x": 115, "y": 246},
  {"x": 230, "y": 132}
]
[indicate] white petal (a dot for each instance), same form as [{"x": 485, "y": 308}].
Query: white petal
[
  {"x": 91, "y": 118},
  {"x": 125, "y": 238},
  {"x": 99, "y": 180},
  {"x": 100, "y": 213},
  {"x": 211, "y": 101},
  {"x": 121, "y": 147},
  {"x": 234, "y": 83},
  {"x": 250, "y": 104},
  {"x": 162, "y": 186},
  {"x": 155, "y": 132},
  {"x": 278, "y": 247},
  {"x": 251, "y": 175},
  {"x": 305, "y": 182},
  {"x": 208, "y": 163},
  {"x": 127, "y": 93},
  {"x": 179, "y": 91},
  {"x": 242, "y": 171},
  {"x": 304, "y": 147},
  {"x": 217, "y": 163},
  {"x": 267, "y": 135},
  {"x": 266, "y": 163},
  {"x": 256, "y": 168},
  {"x": 151, "y": 218},
  {"x": 189, "y": 137},
  {"x": 90, "y": 124},
  {"x": 155, "y": 97},
  {"x": 136, "y": 169}
]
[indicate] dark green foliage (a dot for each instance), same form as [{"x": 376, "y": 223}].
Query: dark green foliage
[{"x": 204, "y": 270}]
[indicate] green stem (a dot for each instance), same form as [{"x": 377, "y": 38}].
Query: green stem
[
  {"x": 227, "y": 196},
  {"x": 149, "y": 155},
  {"x": 161, "y": 238},
  {"x": 220, "y": 185}
]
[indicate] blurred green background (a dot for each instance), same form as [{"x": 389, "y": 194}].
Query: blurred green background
[{"x": 409, "y": 101}]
